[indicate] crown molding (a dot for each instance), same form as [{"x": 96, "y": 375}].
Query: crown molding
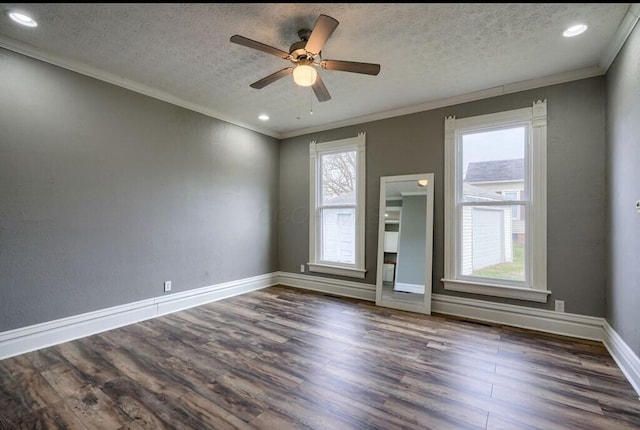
[
  {"x": 78, "y": 67},
  {"x": 588, "y": 72},
  {"x": 624, "y": 30},
  {"x": 620, "y": 37}
]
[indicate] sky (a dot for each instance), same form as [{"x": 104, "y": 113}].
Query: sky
[{"x": 505, "y": 144}]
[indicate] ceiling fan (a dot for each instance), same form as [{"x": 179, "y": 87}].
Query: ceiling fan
[{"x": 305, "y": 55}]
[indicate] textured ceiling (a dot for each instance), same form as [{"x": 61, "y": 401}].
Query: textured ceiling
[{"x": 180, "y": 52}]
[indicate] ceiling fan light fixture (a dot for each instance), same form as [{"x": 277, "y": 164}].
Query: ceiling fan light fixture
[{"x": 304, "y": 75}]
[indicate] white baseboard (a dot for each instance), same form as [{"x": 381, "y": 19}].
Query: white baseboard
[
  {"x": 408, "y": 288},
  {"x": 580, "y": 326},
  {"x": 574, "y": 325},
  {"x": 338, "y": 287},
  {"x": 200, "y": 296},
  {"x": 624, "y": 356},
  {"x": 31, "y": 338}
]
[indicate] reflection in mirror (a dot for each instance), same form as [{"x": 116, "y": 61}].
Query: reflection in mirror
[{"x": 405, "y": 242}]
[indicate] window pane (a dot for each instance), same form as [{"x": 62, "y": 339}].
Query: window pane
[
  {"x": 493, "y": 243},
  {"x": 515, "y": 210},
  {"x": 338, "y": 178},
  {"x": 493, "y": 162},
  {"x": 339, "y": 235}
]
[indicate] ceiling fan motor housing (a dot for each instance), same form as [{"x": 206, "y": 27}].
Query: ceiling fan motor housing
[
  {"x": 304, "y": 34},
  {"x": 298, "y": 51}
]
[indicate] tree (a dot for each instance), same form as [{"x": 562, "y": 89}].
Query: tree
[{"x": 338, "y": 174}]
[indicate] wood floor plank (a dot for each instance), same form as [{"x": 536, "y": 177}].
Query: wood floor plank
[
  {"x": 282, "y": 358},
  {"x": 154, "y": 410},
  {"x": 430, "y": 415},
  {"x": 147, "y": 409},
  {"x": 93, "y": 367},
  {"x": 357, "y": 406},
  {"x": 194, "y": 356},
  {"x": 210, "y": 414},
  {"x": 271, "y": 419},
  {"x": 45, "y": 358},
  {"x": 496, "y": 422},
  {"x": 550, "y": 411},
  {"x": 30, "y": 394},
  {"x": 17, "y": 368},
  {"x": 54, "y": 417},
  {"x": 544, "y": 383},
  {"x": 64, "y": 379},
  {"x": 145, "y": 371},
  {"x": 295, "y": 411},
  {"x": 96, "y": 410}
]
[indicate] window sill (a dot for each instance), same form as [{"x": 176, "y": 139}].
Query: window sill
[
  {"x": 337, "y": 270},
  {"x": 509, "y": 292}
]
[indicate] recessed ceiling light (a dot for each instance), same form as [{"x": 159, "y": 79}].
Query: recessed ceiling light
[
  {"x": 263, "y": 117},
  {"x": 23, "y": 19},
  {"x": 575, "y": 30}
]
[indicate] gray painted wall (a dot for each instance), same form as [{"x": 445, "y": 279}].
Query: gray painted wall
[
  {"x": 623, "y": 190},
  {"x": 412, "y": 245},
  {"x": 414, "y": 144},
  {"x": 105, "y": 194}
]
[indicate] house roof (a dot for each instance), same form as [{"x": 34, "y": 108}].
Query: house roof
[
  {"x": 472, "y": 193},
  {"x": 495, "y": 171}
]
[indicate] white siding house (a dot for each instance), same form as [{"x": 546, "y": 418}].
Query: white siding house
[{"x": 488, "y": 232}]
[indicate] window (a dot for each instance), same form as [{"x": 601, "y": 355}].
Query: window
[
  {"x": 515, "y": 210},
  {"x": 495, "y": 204},
  {"x": 336, "y": 220}
]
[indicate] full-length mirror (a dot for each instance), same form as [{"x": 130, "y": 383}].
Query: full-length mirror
[{"x": 405, "y": 242}]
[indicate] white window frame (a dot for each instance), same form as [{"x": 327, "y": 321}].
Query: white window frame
[
  {"x": 316, "y": 150},
  {"x": 518, "y": 208},
  {"x": 535, "y": 289}
]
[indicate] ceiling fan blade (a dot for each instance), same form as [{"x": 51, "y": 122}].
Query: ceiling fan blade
[
  {"x": 320, "y": 90},
  {"x": 241, "y": 40},
  {"x": 322, "y": 30},
  {"x": 272, "y": 78},
  {"x": 351, "y": 66}
]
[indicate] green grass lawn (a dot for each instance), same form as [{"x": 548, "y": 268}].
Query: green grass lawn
[{"x": 512, "y": 271}]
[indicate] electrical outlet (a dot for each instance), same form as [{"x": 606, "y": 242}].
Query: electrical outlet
[
  {"x": 302, "y": 268},
  {"x": 559, "y": 305},
  {"x": 167, "y": 286}
]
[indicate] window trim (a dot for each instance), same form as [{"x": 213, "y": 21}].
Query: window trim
[
  {"x": 357, "y": 143},
  {"x": 536, "y": 116}
]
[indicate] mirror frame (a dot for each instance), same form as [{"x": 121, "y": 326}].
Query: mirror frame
[{"x": 425, "y": 305}]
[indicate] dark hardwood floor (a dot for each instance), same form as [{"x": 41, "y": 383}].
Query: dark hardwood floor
[{"x": 282, "y": 358}]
